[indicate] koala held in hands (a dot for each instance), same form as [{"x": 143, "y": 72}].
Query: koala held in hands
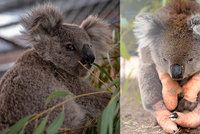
[
  {"x": 169, "y": 48},
  {"x": 53, "y": 63}
]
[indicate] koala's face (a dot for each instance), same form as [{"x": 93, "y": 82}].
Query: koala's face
[
  {"x": 174, "y": 44},
  {"x": 70, "y": 47}
]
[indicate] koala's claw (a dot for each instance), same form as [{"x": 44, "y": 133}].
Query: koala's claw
[
  {"x": 173, "y": 116},
  {"x": 186, "y": 105}
]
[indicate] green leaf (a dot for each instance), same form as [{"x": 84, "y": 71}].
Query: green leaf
[
  {"x": 116, "y": 83},
  {"x": 22, "y": 131},
  {"x": 15, "y": 129},
  {"x": 4, "y": 131},
  {"x": 56, "y": 124},
  {"x": 164, "y": 2},
  {"x": 123, "y": 22},
  {"x": 124, "y": 51},
  {"x": 39, "y": 129},
  {"x": 126, "y": 83},
  {"x": 58, "y": 93},
  {"x": 117, "y": 127},
  {"x": 108, "y": 116},
  {"x": 103, "y": 71}
]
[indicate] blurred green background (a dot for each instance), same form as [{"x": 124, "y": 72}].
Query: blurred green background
[{"x": 129, "y": 9}]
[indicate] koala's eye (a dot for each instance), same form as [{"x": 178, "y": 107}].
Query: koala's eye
[
  {"x": 190, "y": 60},
  {"x": 69, "y": 46},
  {"x": 164, "y": 60}
]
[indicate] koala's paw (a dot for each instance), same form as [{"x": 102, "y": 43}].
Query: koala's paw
[{"x": 186, "y": 105}]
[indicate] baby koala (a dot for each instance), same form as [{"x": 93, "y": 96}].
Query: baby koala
[
  {"x": 169, "y": 50},
  {"x": 53, "y": 63}
]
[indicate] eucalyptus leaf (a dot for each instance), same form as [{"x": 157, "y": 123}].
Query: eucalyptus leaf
[
  {"x": 117, "y": 127},
  {"x": 165, "y": 2},
  {"x": 15, "y": 129},
  {"x": 4, "y": 131},
  {"x": 116, "y": 83},
  {"x": 40, "y": 128},
  {"x": 124, "y": 52},
  {"x": 56, "y": 124},
  {"x": 103, "y": 71},
  {"x": 55, "y": 94},
  {"x": 22, "y": 131},
  {"x": 108, "y": 116}
]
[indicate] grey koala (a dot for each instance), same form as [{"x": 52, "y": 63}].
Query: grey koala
[
  {"x": 51, "y": 64},
  {"x": 169, "y": 41}
]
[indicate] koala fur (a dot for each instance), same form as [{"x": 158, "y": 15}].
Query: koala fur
[
  {"x": 170, "y": 36},
  {"x": 53, "y": 64}
]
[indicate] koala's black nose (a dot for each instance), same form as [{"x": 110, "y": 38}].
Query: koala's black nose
[
  {"x": 176, "y": 71},
  {"x": 89, "y": 58},
  {"x": 87, "y": 55}
]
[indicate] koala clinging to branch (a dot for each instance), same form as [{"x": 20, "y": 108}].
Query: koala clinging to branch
[
  {"x": 169, "y": 47},
  {"x": 52, "y": 64}
]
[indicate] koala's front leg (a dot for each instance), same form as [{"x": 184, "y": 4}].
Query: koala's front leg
[
  {"x": 151, "y": 94},
  {"x": 170, "y": 91}
]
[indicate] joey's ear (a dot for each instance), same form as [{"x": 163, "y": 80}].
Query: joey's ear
[
  {"x": 100, "y": 34},
  {"x": 42, "y": 19},
  {"x": 147, "y": 29},
  {"x": 194, "y": 23}
]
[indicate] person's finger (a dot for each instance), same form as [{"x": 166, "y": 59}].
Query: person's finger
[
  {"x": 164, "y": 121},
  {"x": 170, "y": 91},
  {"x": 192, "y": 88},
  {"x": 190, "y": 119},
  {"x": 170, "y": 99}
]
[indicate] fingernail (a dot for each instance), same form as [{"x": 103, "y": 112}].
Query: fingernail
[{"x": 173, "y": 116}]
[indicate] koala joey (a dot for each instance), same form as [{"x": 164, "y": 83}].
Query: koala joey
[
  {"x": 54, "y": 63},
  {"x": 169, "y": 43}
]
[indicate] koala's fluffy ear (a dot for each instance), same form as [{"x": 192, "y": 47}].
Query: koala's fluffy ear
[
  {"x": 42, "y": 19},
  {"x": 99, "y": 32},
  {"x": 147, "y": 28},
  {"x": 194, "y": 23}
]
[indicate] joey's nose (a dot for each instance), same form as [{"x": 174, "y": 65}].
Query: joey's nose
[
  {"x": 87, "y": 55},
  {"x": 176, "y": 71}
]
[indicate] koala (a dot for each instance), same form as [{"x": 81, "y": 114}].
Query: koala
[
  {"x": 169, "y": 43},
  {"x": 53, "y": 63}
]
